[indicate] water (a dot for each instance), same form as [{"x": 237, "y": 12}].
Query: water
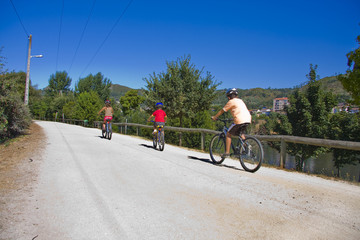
[{"x": 322, "y": 165}]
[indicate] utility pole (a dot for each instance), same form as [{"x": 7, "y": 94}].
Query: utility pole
[{"x": 26, "y": 98}]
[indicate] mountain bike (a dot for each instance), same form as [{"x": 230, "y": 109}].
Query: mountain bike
[
  {"x": 159, "y": 138},
  {"x": 107, "y": 132},
  {"x": 249, "y": 151}
]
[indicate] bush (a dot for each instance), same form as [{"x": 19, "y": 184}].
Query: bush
[{"x": 15, "y": 116}]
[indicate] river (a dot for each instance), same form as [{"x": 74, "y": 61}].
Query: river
[{"x": 322, "y": 165}]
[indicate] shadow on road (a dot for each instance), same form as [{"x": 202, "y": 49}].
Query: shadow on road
[
  {"x": 206, "y": 160},
  {"x": 147, "y": 146}
]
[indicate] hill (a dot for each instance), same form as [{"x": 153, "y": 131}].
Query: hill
[{"x": 258, "y": 98}]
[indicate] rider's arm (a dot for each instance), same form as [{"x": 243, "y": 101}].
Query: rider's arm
[
  {"x": 150, "y": 118},
  {"x": 101, "y": 110},
  {"x": 218, "y": 114}
]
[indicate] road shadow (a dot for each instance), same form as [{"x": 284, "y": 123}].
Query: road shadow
[
  {"x": 206, "y": 160},
  {"x": 147, "y": 146}
]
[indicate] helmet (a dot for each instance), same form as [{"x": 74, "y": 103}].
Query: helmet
[
  {"x": 232, "y": 91},
  {"x": 159, "y": 105},
  {"x": 107, "y": 101}
]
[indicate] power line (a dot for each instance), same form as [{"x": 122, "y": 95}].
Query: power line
[
  {"x": 111, "y": 30},
  {"x": 82, "y": 35},
  {"x": 19, "y": 18},
  {"x": 61, "y": 19}
]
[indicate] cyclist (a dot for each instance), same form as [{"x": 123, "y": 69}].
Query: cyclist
[
  {"x": 160, "y": 116},
  {"x": 241, "y": 115},
  {"x": 109, "y": 111}
]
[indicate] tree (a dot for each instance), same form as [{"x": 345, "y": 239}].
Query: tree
[
  {"x": 351, "y": 81},
  {"x": 182, "y": 88},
  {"x": 14, "y": 115},
  {"x": 307, "y": 116},
  {"x": 131, "y": 101},
  {"x": 96, "y": 83},
  {"x": 59, "y": 83},
  {"x": 345, "y": 126},
  {"x": 88, "y": 105}
]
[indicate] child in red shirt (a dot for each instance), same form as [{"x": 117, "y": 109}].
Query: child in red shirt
[{"x": 159, "y": 114}]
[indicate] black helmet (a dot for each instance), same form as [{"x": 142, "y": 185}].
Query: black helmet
[{"x": 232, "y": 91}]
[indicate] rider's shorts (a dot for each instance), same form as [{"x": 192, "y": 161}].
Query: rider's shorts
[
  {"x": 159, "y": 124},
  {"x": 237, "y": 129},
  {"x": 107, "y": 118}
]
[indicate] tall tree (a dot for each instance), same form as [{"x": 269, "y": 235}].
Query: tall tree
[
  {"x": 308, "y": 115},
  {"x": 87, "y": 106},
  {"x": 59, "y": 83},
  {"x": 182, "y": 88},
  {"x": 351, "y": 81},
  {"x": 131, "y": 101},
  {"x": 97, "y": 83}
]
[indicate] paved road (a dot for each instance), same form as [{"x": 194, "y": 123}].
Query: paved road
[{"x": 93, "y": 188}]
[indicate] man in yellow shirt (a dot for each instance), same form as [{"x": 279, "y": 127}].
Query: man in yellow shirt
[{"x": 240, "y": 113}]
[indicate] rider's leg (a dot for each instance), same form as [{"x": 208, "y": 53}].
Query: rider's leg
[{"x": 228, "y": 143}]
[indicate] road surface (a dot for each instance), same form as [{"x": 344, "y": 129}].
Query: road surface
[{"x": 92, "y": 188}]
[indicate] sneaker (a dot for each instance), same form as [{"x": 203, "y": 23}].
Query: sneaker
[{"x": 225, "y": 155}]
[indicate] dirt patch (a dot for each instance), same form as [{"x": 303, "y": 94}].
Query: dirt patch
[{"x": 19, "y": 166}]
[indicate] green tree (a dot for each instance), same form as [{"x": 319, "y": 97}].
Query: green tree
[
  {"x": 182, "y": 88},
  {"x": 345, "y": 126},
  {"x": 131, "y": 101},
  {"x": 59, "y": 83},
  {"x": 351, "y": 81},
  {"x": 96, "y": 83},
  {"x": 87, "y": 106},
  {"x": 307, "y": 116},
  {"x": 14, "y": 115}
]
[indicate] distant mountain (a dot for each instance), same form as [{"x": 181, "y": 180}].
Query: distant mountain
[{"x": 257, "y": 98}]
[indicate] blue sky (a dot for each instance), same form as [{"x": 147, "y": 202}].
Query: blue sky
[{"x": 243, "y": 44}]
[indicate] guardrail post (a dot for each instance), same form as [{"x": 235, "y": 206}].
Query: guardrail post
[
  {"x": 282, "y": 153},
  {"x": 202, "y": 141}
]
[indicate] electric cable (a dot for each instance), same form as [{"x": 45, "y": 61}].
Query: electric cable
[
  {"x": 61, "y": 19},
  {"x": 107, "y": 36},
  {"x": 19, "y": 18},
  {"x": 82, "y": 35}
]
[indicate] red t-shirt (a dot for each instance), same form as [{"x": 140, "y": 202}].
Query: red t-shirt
[{"x": 159, "y": 115}]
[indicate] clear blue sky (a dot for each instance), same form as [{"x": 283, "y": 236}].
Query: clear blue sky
[{"x": 243, "y": 44}]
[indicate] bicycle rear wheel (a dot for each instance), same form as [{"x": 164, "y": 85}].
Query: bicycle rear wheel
[
  {"x": 251, "y": 154},
  {"x": 109, "y": 132},
  {"x": 217, "y": 148},
  {"x": 155, "y": 140},
  {"x": 161, "y": 141}
]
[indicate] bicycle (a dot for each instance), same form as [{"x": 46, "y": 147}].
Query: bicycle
[
  {"x": 107, "y": 132},
  {"x": 159, "y": 138},
  {"x": 249, "y": 151}
]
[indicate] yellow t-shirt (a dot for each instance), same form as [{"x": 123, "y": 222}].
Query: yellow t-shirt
[{"x": 238, "y": 110}]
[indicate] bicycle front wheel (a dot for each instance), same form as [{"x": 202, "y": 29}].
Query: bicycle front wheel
[
  {"x": 161, "y": 141},
  {"x": 251, "y": 154},
  {"x": 217, "y": 148}
]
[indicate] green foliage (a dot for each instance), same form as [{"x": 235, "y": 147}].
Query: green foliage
[
  {"x": 307, "y": 116},
  {"x": 131, "y": 101},
  {"x": 345, "y": 126},
  {"x": 96, "y": 83},
  {"x": 59, "y": 83},
  {"x": 87, "y": 106},
  {"x": 182, "y": 88},
  {"x": 117, "y": 91},
  {"x": 351, "y": 81},
  {"x": 14, "y": 115}
]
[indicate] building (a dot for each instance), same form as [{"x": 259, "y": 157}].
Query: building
[{"x": 280, "y": 103}]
